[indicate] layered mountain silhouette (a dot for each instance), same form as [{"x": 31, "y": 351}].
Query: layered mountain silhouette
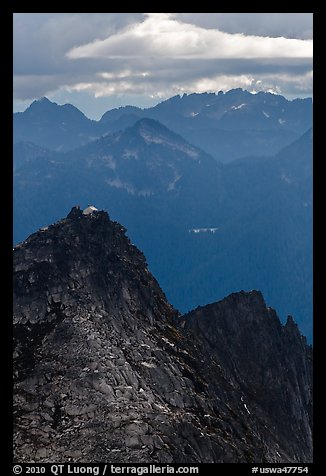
[
  {"x": 219, "y": 227},
  {"x": 55, "y": 127},
  {"x": 225, "y": 125},
  {"x": 106, "y": 370}
]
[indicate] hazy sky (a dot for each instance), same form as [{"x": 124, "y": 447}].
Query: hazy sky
[{"x": 98, "y": 61}]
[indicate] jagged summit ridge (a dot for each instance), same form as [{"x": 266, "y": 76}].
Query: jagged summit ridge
[
  {"x": 85, "y": 241},
  {"x": 107, "y": 370}
]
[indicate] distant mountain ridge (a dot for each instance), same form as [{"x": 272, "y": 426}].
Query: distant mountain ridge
[
  {"x": 55, "y": 127},
  {"x": 225, "y": 125},
  {"x": 162, "y": 187}
]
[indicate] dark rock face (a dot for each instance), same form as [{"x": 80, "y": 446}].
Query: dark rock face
[
  {"x": 270, "y": 365},
  {"x": 107, "y": 370}
]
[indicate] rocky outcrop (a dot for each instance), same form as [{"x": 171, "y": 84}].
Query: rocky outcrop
[
  {"x": 106, "y": 370},
  {"x": 269, "y": 366}
]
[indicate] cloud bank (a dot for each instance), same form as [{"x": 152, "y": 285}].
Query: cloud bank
[
  {"x": 161, "y": 35},
  {"x": 160, "y": 54}
]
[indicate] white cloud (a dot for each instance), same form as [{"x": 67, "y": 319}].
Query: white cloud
[
  {"x": 162, "y": 35},
  {"x": 131, "y": 57},
  {"x": 300, "y": 84}
]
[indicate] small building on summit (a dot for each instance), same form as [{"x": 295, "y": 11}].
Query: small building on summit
[{"x": 90, "y": 209}]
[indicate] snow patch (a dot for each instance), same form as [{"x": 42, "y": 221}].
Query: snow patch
[
  {"x": 109, "y": 162},
  {"x": 203, "y": 230},
  {"x": 238, "y": 107},
  {"x": 117, "y": 183},
  {"x": 282, "y": 121},
  {"x": 265, "y": 114},
  {"x": 246, "y": 408},
  {"x": 187, "y": 150},
  {"x": 127, "y": 154},
  {"x": 172, "y": 184},
  {"x": 285, "y": 178},
  {"x": 245, "y": 405},
  {"x": 151, "y": 138},
  {"x": 157, "y": 139}
]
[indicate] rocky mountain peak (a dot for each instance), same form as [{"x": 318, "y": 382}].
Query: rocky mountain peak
[
  {"x": 153, "y": 131},
  {"x": 106, "y": 369},
  {"x": 43, "y": 100},
  {"x": 41, "y": 105},
  {"x": 82, "y": 252}
]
